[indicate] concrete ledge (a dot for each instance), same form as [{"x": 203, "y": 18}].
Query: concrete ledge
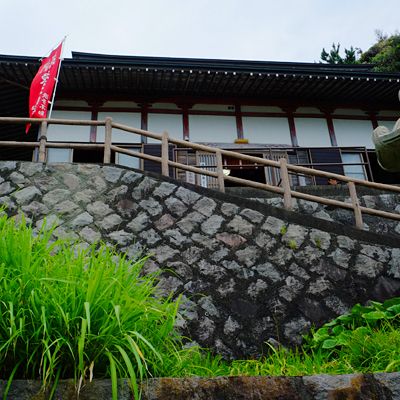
[{"x": 378, "y": 386}]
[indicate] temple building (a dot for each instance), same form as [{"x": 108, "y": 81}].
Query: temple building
[{"x": 317, "y": 115}]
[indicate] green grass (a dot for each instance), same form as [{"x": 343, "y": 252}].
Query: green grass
[{"x": 67, "y": 312}]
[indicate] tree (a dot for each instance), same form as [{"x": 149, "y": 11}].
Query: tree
[
  {"x": 385, "y": 54},
  {"x": 333, "y": 57}
]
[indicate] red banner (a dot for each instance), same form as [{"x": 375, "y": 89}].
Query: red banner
[{"x": 43, "y": 84}]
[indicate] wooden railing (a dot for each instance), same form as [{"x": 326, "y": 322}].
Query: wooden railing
[{"x": 284, "y": 167}]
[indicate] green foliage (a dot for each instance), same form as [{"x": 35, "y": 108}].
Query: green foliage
[
  {"x": 68, "y": 312},
  {"x": 292, "y": 244},
  {"x": 333, "y": 57},
  {"x": 283, "y": 229}
]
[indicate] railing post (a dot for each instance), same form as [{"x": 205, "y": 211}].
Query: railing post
[
  {"x": 356, "y": 205},
  {"x": 220, "y": 171},
  {"x": 164, "y": 154},
  {"x": 42, "y": 144},
  {"x": 287, "y": 196},
  {"x": 107, "y": 141}
]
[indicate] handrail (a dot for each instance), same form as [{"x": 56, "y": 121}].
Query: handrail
[{"x": 284, "y": 168}]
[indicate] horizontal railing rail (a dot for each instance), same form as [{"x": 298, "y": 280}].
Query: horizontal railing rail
[{"x": 285, "y": 169}]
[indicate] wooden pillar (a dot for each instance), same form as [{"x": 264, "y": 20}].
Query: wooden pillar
[
  {"x": 185, "y": 119},
  {"x": 107, "y": 141},
  {"x": 144, "y": 121},
  {"x": 164, "y": 154},
  {"x": 374, "y": 119},
  {"x": 95, "y": 115},
  {"x": 220, "y": 171},
  {"x": 239, "y": 122},
  {"x": 292, "y": 128},
  {"x": 42, "y": 145},
  {"x": 356, "y": 205},
  {"x": 287, "y": 196}
]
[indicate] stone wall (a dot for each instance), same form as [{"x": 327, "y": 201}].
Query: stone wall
[
  {"x": 250, "y": 272},
  {"x": 378, "y": 386}
]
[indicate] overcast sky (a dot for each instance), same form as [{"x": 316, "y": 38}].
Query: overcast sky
[{"x": 280, "y": 30}]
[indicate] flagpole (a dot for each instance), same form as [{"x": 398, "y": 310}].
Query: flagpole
[{"x": 58, "y": 74}]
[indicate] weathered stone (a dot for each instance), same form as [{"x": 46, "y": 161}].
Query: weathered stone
[
  {"x": 16, "y": 178},
  {"x": 27, "y": 194},
  {"x": 269, "y": 271},
  {"x": 82, "y": 220},
  {"x": 394, "y": 264},
  {"x": 55, "y": 196},
  {"x": 182, "y": 270},
  {"x": 386, "y": 288},
  {"x": 340, "y": 258},
  {"x": 85, "y": 196},
  {"x": 30, "y": 169},
  {"x": 89, "y": 235},
  {"x": 320, "y": 239},
  {"x": 175, "y": 206},
  {"x": 345, "y": 242},
  {"x": 282, "y": 256},
  {"x": 273, "y": 225},
  {"x": 35, "y": 208},
  {"x": 248, "y": 255},
  {"x": 206, "y": 329},
  {"x": 337, "y": 305},
  {"x": 118, "y": 191},
  {"x": 150, "y": 236},
  {"x": 265, "y": 241},
  {"x": 375, "y": 252},
  {"x": 298, "y": 271},
  {"x": 292, "y": 288},
  {"x": 112, "y": 174},
  {"x": 131, "y": 177},
  {"x": 390, "y": 381},
  {"x": 98, "y": 183},
  {"x": 212, "y": 224},
  {"x": 169, "y": 285},
  {"x": 320, "y": 287},
  {"x": 125, "y": 206},
  {"x": 88, "y": 169},
  {"x": 232, "y": 240},
  {"x": 241, "y": 226},
  {"x": 164, "y": 190},
  {"x": 204, "y": 241},
  {"x": 256, "y": 288},
  {"x": 214, "y": 271},
  {"x": 229, "y": 209},
  {"x": 294, "y": 234},
  {"x": 121, "y": 237},
  {"x": 329, "y": 270},
  {"x": 9, "y": 205},
  {"x": 205, "y": 206},
  {"x": 220, "y": 254},
  {"x": 187, "y": 196},
  {"x": 323, "y": 215},
  {"x": 308, "y": 206},
  {"x": 7, "y": 188},
  {"x": 164, "y": 253},
  {"x": 144, "y": 188},
  {"x": 175, "y": 237},
  {"x": 165, "y": 222},
  {"x": 139, "y": 223},
  {"x": 71, "y": 181},
  {"x": 49, "y": 222},
  {"x": 110, "y": 222},
  {"x": 192, "y": 255},
  {"x": 295, "y": 328},
  {"x": 366, "y": 266},
  {"x": 231, "y": 326},
  {"x": 252, "y": 215},
  {"x": 8, "y": 166},
  {"x": 208, "y": 306},
  {"x": 98, "y": 208},
  {"x": 66, "y": 207},
  {"x": 152, "y": 206},
  {"x": 227, "y": 288},
  {"x": 309, "y": 255}
]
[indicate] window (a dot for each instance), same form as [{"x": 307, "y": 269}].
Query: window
[
  {"x": 353, "y": 171},
  {"x": 129, "y": 161}
]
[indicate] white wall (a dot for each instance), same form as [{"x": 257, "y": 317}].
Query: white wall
[
  {"x": 158, "y": 123},
  {"x": 266, "y": 130},
  {"x": 353, "y": 133},
  {"x": 118, "y": 136},
  {"x": 212, "y": 128},
  {"x": 388, "y": 124},
  {"x": 312, "y": 132},
  {"x": 69, "y": 133}
]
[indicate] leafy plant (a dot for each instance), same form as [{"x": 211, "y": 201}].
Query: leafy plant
[
  {"x": 283, "y": 229},
  {"x": 69, "y": 312},
  {"x": 292, "y": 244}
]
